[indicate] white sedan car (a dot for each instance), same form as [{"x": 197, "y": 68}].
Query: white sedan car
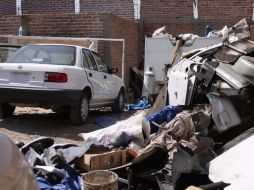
[{"x": 59, "y": 76}]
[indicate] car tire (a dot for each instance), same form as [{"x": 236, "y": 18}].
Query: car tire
[
  {"x": 80, "y": 112},
  {"x": 6, "y": 110},
  {"x": 118, "y": 106}
]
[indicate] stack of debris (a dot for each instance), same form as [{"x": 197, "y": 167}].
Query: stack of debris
[{"x": 207, "y": 101}]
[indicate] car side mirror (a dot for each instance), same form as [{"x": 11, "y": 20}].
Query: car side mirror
[{"x": 113, "y": 70}]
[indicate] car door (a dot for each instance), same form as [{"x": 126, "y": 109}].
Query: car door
[
  {"x": 110, "y": 83},
  {"x": 95, "y": 77}
]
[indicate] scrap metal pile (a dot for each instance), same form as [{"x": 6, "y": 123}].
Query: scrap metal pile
[{"x": 209, "y": 102}]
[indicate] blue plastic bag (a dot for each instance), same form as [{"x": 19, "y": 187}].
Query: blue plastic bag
[
  {"x": 141, "y": 104},
  {"x": 165, "y": 115},
  {"x": 68, "y": 183}
]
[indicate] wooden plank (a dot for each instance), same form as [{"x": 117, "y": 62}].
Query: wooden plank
[{"x": 16, "y": 40}]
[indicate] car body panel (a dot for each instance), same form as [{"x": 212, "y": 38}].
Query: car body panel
[{"x": 31, "y": 76}]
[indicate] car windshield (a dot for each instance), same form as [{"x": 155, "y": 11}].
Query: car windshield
[
  {"x": 45, "y": 54},
  {"x": 6, "y": 52}
]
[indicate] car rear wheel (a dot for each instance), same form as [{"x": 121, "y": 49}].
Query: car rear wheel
[
  {"x": 80, "y": 112},
  {"x": 6, "y": 110},
  {"x": 119, "y": 103}
]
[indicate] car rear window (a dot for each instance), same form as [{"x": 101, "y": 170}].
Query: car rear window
[
  {"x": 45, "y": 54},
  {"x": 6, "y": 53}
]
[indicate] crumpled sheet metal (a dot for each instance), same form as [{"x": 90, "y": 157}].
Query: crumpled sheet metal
[
  {"x": 189, "y": 168},
  {"x": 180, "y": 130},
  {"x": 235, "y": 33},
  {"x": 14, "y": 170}
]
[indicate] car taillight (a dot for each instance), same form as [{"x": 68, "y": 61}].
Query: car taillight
[{"x": 55, "y": 77}]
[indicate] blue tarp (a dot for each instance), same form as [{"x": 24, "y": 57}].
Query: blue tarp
[
  {"x": 68, "y": 183},
  {"x": 106, "y": 122},
  {"x": 208, "y": 29},
  {"x": 141, "y": 104},
  {"x": 165, "y": 115}
]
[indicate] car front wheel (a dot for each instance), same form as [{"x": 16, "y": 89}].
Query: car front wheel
[
  {"x": 79, "y": 113},
  {"x": 119, "y": 103}
]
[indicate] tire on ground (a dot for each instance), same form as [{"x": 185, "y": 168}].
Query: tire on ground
[
  {"x": 118, "y": 106},
  {"x": 79, "y": 113},
  {"x": 6, "y": 110}
]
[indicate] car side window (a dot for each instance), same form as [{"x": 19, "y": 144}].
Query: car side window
[
  {"x": 90, "y": 60},
  {"x": 101, "y": 65},
  {"x": 85, "y": 61}
]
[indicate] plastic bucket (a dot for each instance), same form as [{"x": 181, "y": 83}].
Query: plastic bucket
[{"x": 100, "y": 180}]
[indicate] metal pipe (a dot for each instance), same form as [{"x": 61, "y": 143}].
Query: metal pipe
[{"x": 123, "y": 60}]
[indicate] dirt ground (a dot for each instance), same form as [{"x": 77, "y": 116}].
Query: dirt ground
[{"x": 28, "y": 124}]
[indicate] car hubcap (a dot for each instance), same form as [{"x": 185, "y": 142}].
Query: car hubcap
[{"x": 84, "y": 109}]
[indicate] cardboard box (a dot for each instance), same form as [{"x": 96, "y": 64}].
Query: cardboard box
[{"x": 102, "y": 161}]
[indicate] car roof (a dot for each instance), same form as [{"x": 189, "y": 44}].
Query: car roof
[{"x": 48, "y": 44}]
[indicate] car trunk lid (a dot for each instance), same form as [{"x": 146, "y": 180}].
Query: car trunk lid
[{"x": 25, "y": 75}]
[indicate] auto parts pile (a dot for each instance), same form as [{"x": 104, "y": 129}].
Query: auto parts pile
[{"x": 210, "y": 101}]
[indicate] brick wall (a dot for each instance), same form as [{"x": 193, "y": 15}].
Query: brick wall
[
  {"x": 9, "y": 25},
  {"x": 178, "y": 17},
  {"x": 166, "y": 9},
  {"x": 97, "y": 25},
  {"x": 230, "y": 9},
  {"x": 7, "y": 7},
  {"x": 71, "y": 25},
  {"x": 123, "y": 8},
  {"x": 122, "y": 28},
  {"x": 47, "y": 6},
  {"x": 61, "y": 25}
]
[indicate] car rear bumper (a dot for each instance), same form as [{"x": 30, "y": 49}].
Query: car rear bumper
[{"x": 40, "y": 96}]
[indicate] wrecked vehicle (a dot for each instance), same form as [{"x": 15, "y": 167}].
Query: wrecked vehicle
[
  {"x": 59, "y": 76},
  {"x": 223, "y": 76}
]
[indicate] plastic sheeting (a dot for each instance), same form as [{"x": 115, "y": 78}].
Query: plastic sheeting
[
  {"x": 119, "y": 134},
  {"x": 141, "y": 104}
]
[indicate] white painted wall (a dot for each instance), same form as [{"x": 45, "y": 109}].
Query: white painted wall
[
  {"x": 137, "y": 6},
  {"x": 18, "y": 7},
  {"x": 195, "y": 9},
  {"x": 253, "y": 12},
  {"x": 77, "y": 6}
]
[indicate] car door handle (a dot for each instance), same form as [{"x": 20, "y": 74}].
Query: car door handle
[
  {"x": 105, "y": 77},
  {"x": 90, "y": 74}
]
